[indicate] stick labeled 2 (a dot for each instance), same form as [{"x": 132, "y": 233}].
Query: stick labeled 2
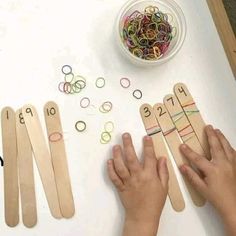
[
  {"x": 59, "y": 159},
  {"x": 42, "y": 157},
  {"x": 11, "y": 188},
  {"x": 173, "y": 140}
]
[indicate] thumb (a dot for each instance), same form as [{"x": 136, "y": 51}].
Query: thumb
[{"x": 163, "y": 172}]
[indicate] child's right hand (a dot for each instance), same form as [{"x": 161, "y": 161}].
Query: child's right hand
[{"x": 218, "y": 181}]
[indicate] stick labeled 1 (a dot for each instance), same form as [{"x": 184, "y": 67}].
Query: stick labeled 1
[
  {"x": 193, "y": 114},
  {"x": 59, "y": 160},
  {"x": 26, "y": 173},
  {"x": 11, "y": 188},
  {"x": 153, "y": 129},
  {"x": 42, "y": 157},
  {"x": 173, "y": 140}
]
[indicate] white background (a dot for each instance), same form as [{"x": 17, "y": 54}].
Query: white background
[{"x": 38, "y": 37}]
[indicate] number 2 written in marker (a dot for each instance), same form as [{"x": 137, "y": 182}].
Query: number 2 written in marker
[{"x": 161, "y": 111}]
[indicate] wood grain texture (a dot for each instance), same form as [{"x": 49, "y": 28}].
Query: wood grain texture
[
  {"x": 194, "y": 116},
  {"x": 173, "y": 140},
  {"x": 153, "y": 130},
  {"x": 11, "y": 188},
  {"x": 26, "y": 173},
  {"x": 42, "y": 157},
  {"x": 59, "y": 159},
  {"x": 225, "y": 30}
]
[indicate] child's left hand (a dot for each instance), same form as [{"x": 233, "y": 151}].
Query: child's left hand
[{"x": 142, "y": 187}]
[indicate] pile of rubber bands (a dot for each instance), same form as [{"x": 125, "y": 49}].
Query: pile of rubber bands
[
  {"x": 72, "y": 84},
  {"x": 148, "y": 35}
]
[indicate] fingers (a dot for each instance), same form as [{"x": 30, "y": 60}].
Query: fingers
[
  {"x": 113, "y": 176},
  {"x": 119, "y": 164},
  {"x": 133, "y": 163},
  {"x": 200, "y": 162},
  {"x": 194, "y": 179},
  {"x": 216, "y": 149},
  {"x": 229, "y": 151},
  {"x": 150, "y": 160},
  {"x": 163, "y": 172}
]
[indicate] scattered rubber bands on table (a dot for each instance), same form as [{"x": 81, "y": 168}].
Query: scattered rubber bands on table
[
  {"x": 106, "y": 134},
  {"x": 100, "y": 82},
  {"x": 106, "y": 107},
  {"x": 148, "y": 34},
  {"x": 72, "y": 83},
  {"x": 80, "y": 126}
]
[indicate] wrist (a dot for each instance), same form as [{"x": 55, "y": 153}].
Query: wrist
[{"x": 140, "y": 226}]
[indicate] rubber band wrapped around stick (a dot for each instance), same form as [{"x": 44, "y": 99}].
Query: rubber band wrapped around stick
[{"x": 55, "y": 137}]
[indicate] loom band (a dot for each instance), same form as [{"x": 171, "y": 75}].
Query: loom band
[
  {"x": 134, "y": 14},
  {"x": 66, "y": 69},
  {"x": 55, "y": 137},
  {"x": 150, "y": 57},
  {"x": 143, "y": 41},
  {"x": 80, "y": 126},
  {"x": 67, "y": 88},
  {"x": 151, "y": 9},
  {"x": 152, "y": 26},
  {"x": 125, "y": 82},
  {"x": 185, "y": 140},
  {"x": 84, "y": 102},
  {"x": 151, "y": 34},
  {"x": 157, "y": 51},
  {"x": 184, "y": 135},
  {"x": 154, "y": 132},
  {"x": 76, "y": 88},
  {"x": 80, "y": 84},
  {"x": 189, "y": 103},
  {"x": 102, "y": 142},
  {"x": 137, "y": 93},
  {"x": 107, "y": 106},
  {"x": 61, "y": 87},
  {"x": 186, "y": 127},
  {"x": 100, "y": 82},
  {"x": 109, "y": 127},
  {"x": 129, "y": 44},
  {"x": 105, "y": 136},
  {"x": 177, "y": 117},
  {"x": 190, "y": 113},
  {"x": 169, "y": 131},
  {"x": 137, "y": 52},
  {"x": 170, "y": 18},
  {"x": 69, "y": 77},
  {"x": 174, "y": 32}
]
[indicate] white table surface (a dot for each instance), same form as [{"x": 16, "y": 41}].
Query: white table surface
[{"x": 38, "y": 37}]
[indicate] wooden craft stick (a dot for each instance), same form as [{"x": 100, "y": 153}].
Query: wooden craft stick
[
  {"x": 153, "y": 130},
  {"x": 173, "y": 140},
  {"x": 193, "y": 114},
  {"x": 59, "y": 159},
  {"x": 11, "y": 188},
  {"x": 26, "y": 173},
  {"x": 182, "y": 124},
  {"x": 42, "y": 157}
]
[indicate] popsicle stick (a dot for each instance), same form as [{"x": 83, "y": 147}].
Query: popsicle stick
[
  {"x": 173, "y": 140},
  {"x": 182, "y": 124},
  {"x": 153, "y": 129},
  {"x": 59, "y": 159},
  {"x": 42, "y": 157},
  {"x": 26, "y": 173},
  {"x": 193, "y": 114},
  {"x": 11, "y": 188}
]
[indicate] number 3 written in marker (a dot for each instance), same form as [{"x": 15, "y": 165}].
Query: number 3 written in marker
[{"x": 147, "y": 112}]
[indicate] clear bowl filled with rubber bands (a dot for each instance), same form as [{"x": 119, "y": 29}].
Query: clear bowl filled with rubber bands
[{"x": 150, "y": 32}]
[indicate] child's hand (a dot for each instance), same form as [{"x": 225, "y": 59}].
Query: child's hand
[
  {"x": 142, "y": 187},
  {"x": 218, "y": 183}
]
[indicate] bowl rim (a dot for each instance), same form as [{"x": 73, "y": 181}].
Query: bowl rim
[{"x": 181, "y": 18}]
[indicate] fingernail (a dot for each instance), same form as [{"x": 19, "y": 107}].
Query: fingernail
[
  {"x": 147, "y": 138},
  {"x": 109, "y": 161},
  {"x": 210, "y": 127},
  {"x": 217, "y": 131},
  {"x": 183, "y": 169},
  {"x": 184, "y": 146},
  {"x": 116, "y": 147},
  {"x": 126, "y": 135}
]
